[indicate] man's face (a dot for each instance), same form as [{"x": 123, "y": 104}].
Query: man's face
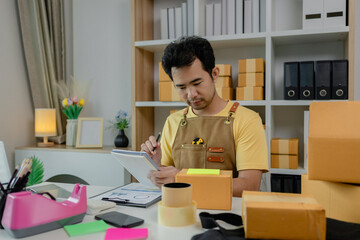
[{"x": 194, "y": 85}]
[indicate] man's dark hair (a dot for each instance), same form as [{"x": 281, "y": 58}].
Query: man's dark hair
[{"x": 185, "y": 50}]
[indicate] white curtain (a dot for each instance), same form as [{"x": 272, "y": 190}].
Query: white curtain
[{"x": 43, "y": 37}]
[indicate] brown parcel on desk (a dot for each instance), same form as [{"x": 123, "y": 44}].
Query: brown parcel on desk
[
  {"x": 209, "y": 191},
  {"x": 334, "y": 141},
  {"x": 340, "y": 200},
  {"x": 269, "y": 215}
]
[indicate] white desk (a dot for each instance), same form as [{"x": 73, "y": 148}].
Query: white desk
[{"x": 156, "y": 231}]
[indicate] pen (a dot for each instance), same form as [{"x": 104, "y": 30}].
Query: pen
[
  {"x": 116, "y": 199},
  {"x": 157, "y": 139}
]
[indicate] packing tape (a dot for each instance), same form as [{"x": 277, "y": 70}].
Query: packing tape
[
  {"x": 176, "y": 194},
  {"x": 177, "y": 216},
  {"x": 284, "y": 146},
  {"x": 177, "y": 208}
]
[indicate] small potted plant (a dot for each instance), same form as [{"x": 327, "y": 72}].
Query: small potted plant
[{"x": 122, "y": 121}]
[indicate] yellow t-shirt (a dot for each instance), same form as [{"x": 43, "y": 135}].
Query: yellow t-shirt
[{"x": 249, "y": 136}]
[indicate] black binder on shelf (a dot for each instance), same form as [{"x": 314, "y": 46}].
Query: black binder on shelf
[
  {"x": 339, "y": 87},
  {"x": 323, "y": 79},
  {"x": 306, "y": 77},
  {"x": 291, "y": 80}
]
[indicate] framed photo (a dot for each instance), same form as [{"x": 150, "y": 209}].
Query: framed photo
[{"x": 90, "y": 133}]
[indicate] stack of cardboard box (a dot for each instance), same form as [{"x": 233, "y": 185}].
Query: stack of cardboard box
[
  {"x": 224, "y": 82},
  {"x": 334, "y": 159},
  {"x": 251, "y": 79},
  {"x": 269, "y": 215},
  {"x": 167, "y": 91},
  {"x": 285, "y": 153}
]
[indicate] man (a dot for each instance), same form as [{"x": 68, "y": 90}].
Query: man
[{"x": 211, "y": 132}]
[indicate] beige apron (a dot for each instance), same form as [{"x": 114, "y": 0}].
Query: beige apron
[{"x": 214, "y": 145}]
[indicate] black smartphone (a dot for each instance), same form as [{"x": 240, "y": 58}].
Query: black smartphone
[{"x": 120, "y": 219}]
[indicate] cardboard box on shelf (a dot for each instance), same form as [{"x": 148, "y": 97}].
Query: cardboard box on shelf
[
  {"x": 340, "y": 200},
  {"x": 167, "y": 92},
  {"x": 223, "y": 81},
  {"x": 226, "y": 93},
  {"x": 334, "y": 140},
  {"x": 162, "y": 74},
  {"x": 282, "y": 216},
  {"x": 251, "y": 65},
  {"x": 285, "y": 146},
  {"x": 209, "y": 191},
  {"x": 284, "y": 161},
  {"x": 250, "y": 79},
  {"x": 250, "y": 93},
  {"x": 225, "y": 69}
]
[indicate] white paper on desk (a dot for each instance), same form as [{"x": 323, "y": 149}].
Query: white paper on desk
[
  {"x": 134, "y": 193},
  {"x": 138, "y": 164}
]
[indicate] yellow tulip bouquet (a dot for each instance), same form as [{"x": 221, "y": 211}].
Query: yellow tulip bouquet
[{"x": 72, "y": 107}]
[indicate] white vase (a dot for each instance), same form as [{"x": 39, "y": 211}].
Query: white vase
[{"x": 71, "y": 130}]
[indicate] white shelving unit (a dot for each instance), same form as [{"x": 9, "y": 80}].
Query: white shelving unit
[{"x": 284, "y": 40}]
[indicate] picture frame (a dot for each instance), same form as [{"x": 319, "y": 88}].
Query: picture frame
[{"x": 90, "y": 132}]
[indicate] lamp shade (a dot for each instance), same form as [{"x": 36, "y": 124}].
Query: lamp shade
[{"x": 45, "y": 122}]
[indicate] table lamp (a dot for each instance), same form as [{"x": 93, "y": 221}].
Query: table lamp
[{"x": 45, "y": 125}]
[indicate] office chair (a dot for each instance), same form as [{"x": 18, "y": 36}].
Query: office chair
[{"x": 4, "y": 165}]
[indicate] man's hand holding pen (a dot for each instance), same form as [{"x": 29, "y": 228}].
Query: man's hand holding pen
[{"x": 153, "y": 149}]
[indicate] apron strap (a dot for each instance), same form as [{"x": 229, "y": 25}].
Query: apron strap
[
  {"x": 183, "y": 121},
  {"x": 231, "y": 112}
]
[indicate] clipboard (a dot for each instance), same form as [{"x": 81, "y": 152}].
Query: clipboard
[
  {"x": 138, "y": 164},
  {"x": 132, "y": 194}
]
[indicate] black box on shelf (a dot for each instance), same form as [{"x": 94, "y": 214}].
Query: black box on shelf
[
  {"x": 339, "y": 87},
  {"x": 291, "y": 80},
  {"x": 306, "y": 76},
  {"x": 285, "y": 183},
  {"x": 323, "y": 80}
]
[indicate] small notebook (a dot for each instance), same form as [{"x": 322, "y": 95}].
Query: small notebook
[
  {"x": 133, "y": 194},
  {"x": 138, "y": 164}
]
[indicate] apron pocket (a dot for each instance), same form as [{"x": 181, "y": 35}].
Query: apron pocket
[{"x": 192, "y": 156}]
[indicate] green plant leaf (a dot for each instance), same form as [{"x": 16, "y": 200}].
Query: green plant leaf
[{"x": 37, "y": 173}]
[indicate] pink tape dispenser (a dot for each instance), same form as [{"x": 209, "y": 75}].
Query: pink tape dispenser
[{"x": 27, "y": 214}]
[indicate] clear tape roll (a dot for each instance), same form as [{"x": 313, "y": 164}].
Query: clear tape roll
[
  {"x": 177, "y": 216},
  {"x": 176, "y": 194}
]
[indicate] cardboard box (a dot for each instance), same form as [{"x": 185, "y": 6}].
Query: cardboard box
[
  {"x": 167, "y": 92},
  {"x": 334, "y": 140},
  {"x": 225, "y": 69},
  {"x": 224, "y": 81},
  {"x": 340, "y": 200},
  {"x": 162, "y": 74},
  {"x": 284, "y": 161},
  {"x": 282, "y": 216},
  {"x": 251, "y": 80},
  {"x": 209, "y": 191},
  {"x": 251, "y": 65},
  {"x": 226, "y": 93},
  {"x": 285, "y": 146},
  {"x": 250, "y": 93}
]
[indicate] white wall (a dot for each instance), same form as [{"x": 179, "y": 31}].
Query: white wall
[
  {"x": 16, "y": 110},
  {"x": 102, "y": 55}
]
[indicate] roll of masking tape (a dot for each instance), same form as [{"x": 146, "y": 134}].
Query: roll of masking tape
[
  {"x": 177, "y": 216},
  {"x": 177, "y": 208},
  {"x": 176, "y": 194}
]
